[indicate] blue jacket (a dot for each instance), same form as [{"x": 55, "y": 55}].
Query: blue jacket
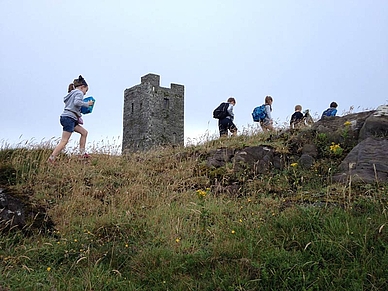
[{"x": 329, "y": 112}]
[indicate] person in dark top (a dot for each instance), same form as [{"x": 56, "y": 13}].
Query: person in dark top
[
  {"x": 226, "y": 123},
  {"x": 297, "y": 118}
]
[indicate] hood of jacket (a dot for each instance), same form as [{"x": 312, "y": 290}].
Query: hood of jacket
[{"x": 71, "y": 94}]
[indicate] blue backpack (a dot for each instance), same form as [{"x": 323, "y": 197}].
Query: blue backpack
[
  {"x": 329, "y": 112},
  {"x": 259, "y": 114}
]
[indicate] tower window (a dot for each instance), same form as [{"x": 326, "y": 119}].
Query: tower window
[{"x": 166, "y": 103}]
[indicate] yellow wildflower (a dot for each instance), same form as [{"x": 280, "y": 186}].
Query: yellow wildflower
[
  {"x": 336, "y": 149},
  {"x": 347, "y": 123},
  {"x": 201, "y": 193},
  {"x": 294, "y": 165}
]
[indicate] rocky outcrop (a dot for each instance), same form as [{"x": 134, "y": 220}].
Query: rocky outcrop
[
  {"x": 364, "y": 135},
  {"x": 376, "y": 125},
  {"x": 220, "y": 157},
  {"x": 17, "y": 212},
  {"x": 259, "y": 158},
  {"x": 366, "y": 163},
  {"x": 11, "y": 211}
]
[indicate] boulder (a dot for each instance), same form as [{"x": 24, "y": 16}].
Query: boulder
[
  {"x": 310, "y": 149},
  {"x": 260, "y": 158},
  {"x": 220, "y": 157},
  {"x": 17, "y": 212},
  {"x": 11, "y": 211},
  {"x": 306, "y": 161},
  {"x": 376, "y": 125},
  {"x": 367, "y": 162}
]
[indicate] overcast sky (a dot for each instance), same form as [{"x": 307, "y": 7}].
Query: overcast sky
[{"x": 308, "y": 52}]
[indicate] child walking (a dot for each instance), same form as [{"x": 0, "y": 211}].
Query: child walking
[
  {"x": 226, "y": 123},
  {"x": 70, "y": 118},
  {"x": 297, "y": 118},
  {"x": 267, "y": 123}
]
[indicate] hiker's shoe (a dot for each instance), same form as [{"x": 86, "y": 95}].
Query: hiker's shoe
[
  {"x": 85, "y": 156},
  {"x": 51, "y": 161}
]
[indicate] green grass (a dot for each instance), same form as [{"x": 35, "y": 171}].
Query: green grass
[{"x": 154, "y": 221}]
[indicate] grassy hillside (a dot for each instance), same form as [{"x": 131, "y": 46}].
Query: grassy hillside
[{"x": 155, "y": 221}]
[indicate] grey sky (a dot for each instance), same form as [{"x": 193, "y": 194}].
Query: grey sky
[{"x": 300, "y": 52}]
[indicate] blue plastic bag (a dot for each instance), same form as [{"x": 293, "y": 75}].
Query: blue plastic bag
[{"x": 87, "y": 110}]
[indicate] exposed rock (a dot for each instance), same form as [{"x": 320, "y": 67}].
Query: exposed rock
[
  {"x": 220, "y": 157},
  {"x": 367, "y": 162},
  {"x": 364, "y": 135},
  {"x": 11, "y": 211},
  {"x": 376, "y": 125},
  {"x": 306, "y": 161},
  {"x": 261, "y": 158},
  {"x": 334, "y": 123},
  {"x": 17, "y": 212},
  {"x": 310, "y": 149}
]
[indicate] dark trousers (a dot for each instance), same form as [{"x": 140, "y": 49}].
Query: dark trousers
[{"x": 226, "y": 124}]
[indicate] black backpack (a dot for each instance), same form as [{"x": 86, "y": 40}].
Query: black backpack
[{"x": 221, "y": 111}]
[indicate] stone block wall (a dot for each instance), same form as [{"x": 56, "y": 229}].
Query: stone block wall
[{"x": 153, "y": 115}]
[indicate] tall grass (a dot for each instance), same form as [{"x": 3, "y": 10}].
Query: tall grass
[{"x": 154, "y": 221}]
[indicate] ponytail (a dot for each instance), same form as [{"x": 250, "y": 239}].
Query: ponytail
[
  {"x": 71, "y": 88},
  {"x": 76, "y": 83}
]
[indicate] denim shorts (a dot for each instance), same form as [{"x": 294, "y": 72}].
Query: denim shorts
[{"x": 68, "y": 123}]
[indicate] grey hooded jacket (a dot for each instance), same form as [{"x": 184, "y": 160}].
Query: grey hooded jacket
[{"x": 73, "y": 103}]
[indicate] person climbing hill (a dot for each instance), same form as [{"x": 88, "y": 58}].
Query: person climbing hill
[{"x": 70, "y": 118}]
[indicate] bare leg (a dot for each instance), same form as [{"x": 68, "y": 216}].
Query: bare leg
[
  {"x": 266, "y": 126},
  {"x": 82, "y": 141},
  {"x": 64, "y": 140}
]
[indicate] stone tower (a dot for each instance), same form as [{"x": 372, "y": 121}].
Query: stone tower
[{"x": 153, "y": 115}]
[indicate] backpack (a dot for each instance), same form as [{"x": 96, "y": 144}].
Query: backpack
[
  {"x": 259, "y": 114},
  {"x": 327, "y": 112},
  {"x": 221, "y": 111}
]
